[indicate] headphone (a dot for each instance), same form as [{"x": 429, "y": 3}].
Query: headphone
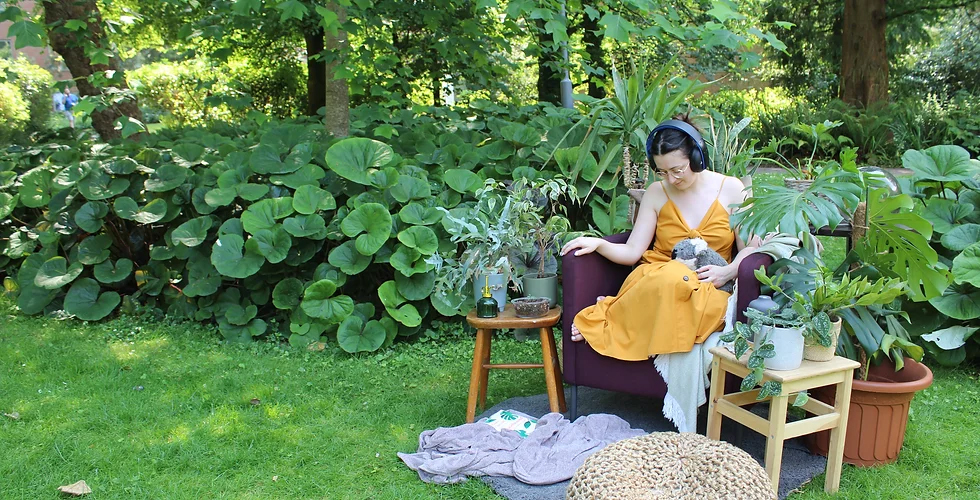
[{"x": 699, "y": 160}]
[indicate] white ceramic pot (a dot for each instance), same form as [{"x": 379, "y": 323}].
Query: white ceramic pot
[{"x": 788, "y": 345}]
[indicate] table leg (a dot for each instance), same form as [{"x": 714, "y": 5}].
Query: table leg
[
  {"x": 835, "y": 454},
  {"x": 478, "y": 374},
  {"x": 775, "y": 438},
  {"x": 552, "y": 373},
  {"x": 714, "y": 394}
]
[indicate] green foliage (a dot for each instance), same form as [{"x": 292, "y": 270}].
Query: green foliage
[
  {"x": 264, "y": 229},
  {"x": 14, "y": 111},
  {"x": 35, "y": 84},
  {"x": 945, "y": 179}
]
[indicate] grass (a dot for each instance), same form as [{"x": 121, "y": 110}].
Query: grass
[{"x": 156, "y": 410}]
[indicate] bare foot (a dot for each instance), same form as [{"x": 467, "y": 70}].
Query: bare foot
[{"x": 577, "y": 335}]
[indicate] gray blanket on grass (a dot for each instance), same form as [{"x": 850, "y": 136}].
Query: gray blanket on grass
[{"x": 550, "y": 454}]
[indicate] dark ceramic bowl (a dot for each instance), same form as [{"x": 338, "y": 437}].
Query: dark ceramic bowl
[{"x": 531, "y": 307}]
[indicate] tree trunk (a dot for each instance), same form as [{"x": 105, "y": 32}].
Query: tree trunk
[
  {"x": 316, "y": 69},
  {"x": 337, "y": 99},
  {"x": 597, "y": 57},
  {"x": 549, "y": 79},
  {"x": 72, "y": 44},
  {"x": 864, "y": 61}
]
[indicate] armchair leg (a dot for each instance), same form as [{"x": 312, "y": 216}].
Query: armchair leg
[{"x": 573, "y": 411}]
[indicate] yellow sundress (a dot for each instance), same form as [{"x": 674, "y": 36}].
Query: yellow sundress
[{"x": 662, "y": 307}]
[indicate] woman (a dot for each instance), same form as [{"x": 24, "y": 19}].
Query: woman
[{"x": 663, "y": 306}]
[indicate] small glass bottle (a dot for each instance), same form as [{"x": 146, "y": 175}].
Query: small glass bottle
[{"x": 486, "y": 307}]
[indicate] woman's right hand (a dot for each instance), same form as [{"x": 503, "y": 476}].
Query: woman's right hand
[{"x": 582, "y": 245}]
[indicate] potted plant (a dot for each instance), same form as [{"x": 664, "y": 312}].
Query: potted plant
[
  {"x": 485, "y": 236},
  {"x": 773, "y": 339},
  {"x": 863, "y": 304},
  {"x": 540, "y": 224},
  {"x": 814, "y": 289}
]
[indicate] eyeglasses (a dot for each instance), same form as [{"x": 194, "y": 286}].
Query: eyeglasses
[{"x": 674, "y": 172}]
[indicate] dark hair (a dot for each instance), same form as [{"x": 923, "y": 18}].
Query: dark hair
[{"x": 669, "y": 140}]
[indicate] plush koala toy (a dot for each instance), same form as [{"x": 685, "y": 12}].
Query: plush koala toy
[{"x": 695, "y": 253}]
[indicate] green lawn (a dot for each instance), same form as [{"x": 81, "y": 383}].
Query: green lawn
[{"x": 155, "y": 410}]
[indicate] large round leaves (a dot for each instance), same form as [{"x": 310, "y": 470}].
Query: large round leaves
[
  {"x": 98, "y": 185},
  {"x": 959, "y": 302},
  {"x": 306, "y": 226},
  {"x": 961, "y": 236},
  {"x": 419, "y": 215},
  {"x": 193, "y": 232},
  {"x": 56, "y": 273},
  {"x": 941, "y": 163},
  {"x": 107, "y": 272},
  {"x": 265, "y": 213},
  {"x": 153, "y": 211},
  {"x": 415, "y": 287},
  {"x": 319, "y": 302},
  {"x": 7, "y": 204},
  {"x": 354, "y": 336},
  {"x": 88, "y": 217},
  {"x": 355, "y": 158},
  {"x": 267, "y": 160},
  {"x": 229, "y": 259},
  {"x": 273, "y": 244},
  {"x": 93, "y": 249},
  {"x": 966, "y": 266},
  {"x": 421, "y": 239},
  {"x": 84, "y": 301},
  {"x": 374, "y": 220},
  {"x": 288, "y": 293},
  {"x": 398, "y": 306},
  {"x": 463, "y": 181},
  {"x": 346, "y": 258},
  {"x": 165, "y": 178},
  {"x": 311, "y": 199}
]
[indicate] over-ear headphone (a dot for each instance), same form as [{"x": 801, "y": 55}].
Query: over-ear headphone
[{"x": 699, "y": 160}]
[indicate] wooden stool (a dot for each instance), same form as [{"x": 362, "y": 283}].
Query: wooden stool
[
  {"x": 811, "y": 374},
  {"x": 481, "y": 355}
]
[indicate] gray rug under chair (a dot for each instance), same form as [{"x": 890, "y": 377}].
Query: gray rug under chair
[{"x": 798, "y": 467}]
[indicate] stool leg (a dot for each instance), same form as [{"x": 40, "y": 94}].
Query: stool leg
[
  {"x": 717, "y": 390},
  {"x": 835, "y": 454},
  {"x": 552, "y": 373},
  {"x": 774, "y": 441},
  {"x": 484, "y": 369},
  {"x": 477, "y": 373}
]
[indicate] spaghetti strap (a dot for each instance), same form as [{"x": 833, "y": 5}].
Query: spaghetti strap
[
  {"x": 723, "y": 179},
  {"x": 662, "y": 186}
]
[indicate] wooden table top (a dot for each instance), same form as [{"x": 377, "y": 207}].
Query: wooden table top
[
  {"x": 508, "y": 319},
  {"x": 806, "y": 370}
]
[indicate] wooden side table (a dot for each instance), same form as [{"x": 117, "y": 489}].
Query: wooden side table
[
  {"x": 481, "y": 355},
  {"x": 838, "y": 371}
]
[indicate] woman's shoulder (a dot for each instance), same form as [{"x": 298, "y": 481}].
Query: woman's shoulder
[{"x": 656, "y": 195}]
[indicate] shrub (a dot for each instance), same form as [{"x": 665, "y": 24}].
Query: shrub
[
  {"x": 36, "y": 86},
  {"x": 14, "y": 112},
  {"x": 181, "y": 89}
]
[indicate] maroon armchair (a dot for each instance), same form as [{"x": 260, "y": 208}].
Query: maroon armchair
[{"x": 588, "y": 276}]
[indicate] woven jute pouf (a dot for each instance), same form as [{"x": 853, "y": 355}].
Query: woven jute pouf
[{"x": 668, "y": 465}]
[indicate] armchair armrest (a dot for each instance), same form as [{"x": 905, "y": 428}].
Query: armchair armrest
[{"x": 588, "y": 276}]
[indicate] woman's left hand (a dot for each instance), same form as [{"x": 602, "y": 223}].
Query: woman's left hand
[{"x": 717, "y": 275}]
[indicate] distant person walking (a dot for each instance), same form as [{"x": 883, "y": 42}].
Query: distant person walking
[{"x": 63, "y": 102}]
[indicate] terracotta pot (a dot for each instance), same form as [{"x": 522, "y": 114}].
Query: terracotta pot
[
  {"x": 813, "y": 351},
  {"x": 878, "y": 413}
]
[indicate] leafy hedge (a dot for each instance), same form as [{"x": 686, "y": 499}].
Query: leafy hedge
[
  {"x": 264, "y": 228},
  {"x": 30, "y": 109}
]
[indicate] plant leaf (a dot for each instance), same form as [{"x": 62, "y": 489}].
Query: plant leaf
[
  {"x": 84, "y": 301},
  {"x": 374, "y": 220}
]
